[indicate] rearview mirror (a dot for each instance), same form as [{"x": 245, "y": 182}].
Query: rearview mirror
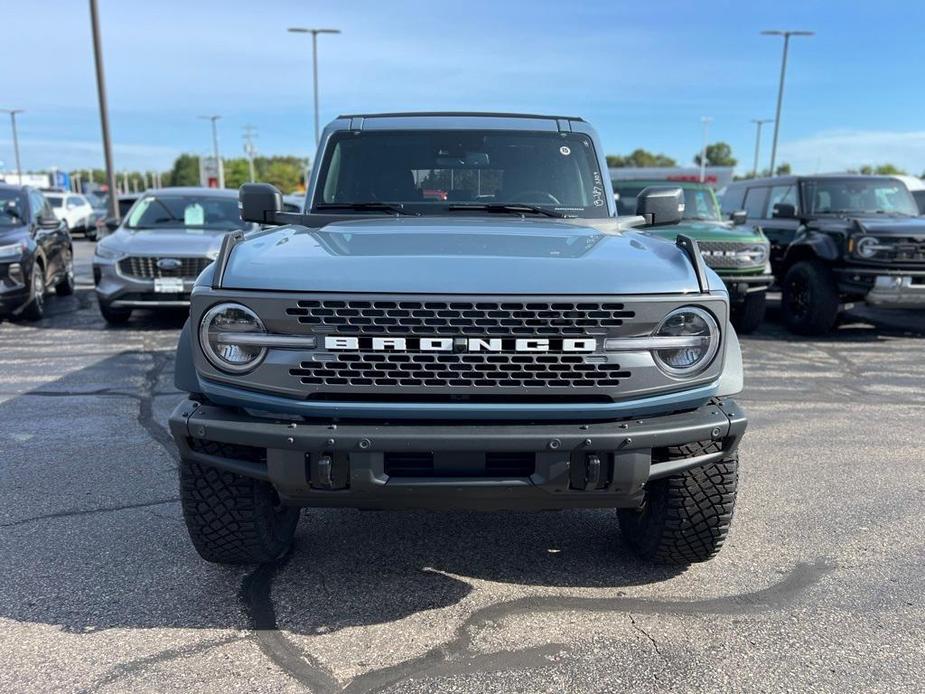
[
  {"x": 660, "y": 205},
  {"x": 259, "y": 202},
  {"x": 739, "y": 217},
  {"x": 783, "y": 210}
]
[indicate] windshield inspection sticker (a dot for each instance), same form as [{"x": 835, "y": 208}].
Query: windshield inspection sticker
[
  {"x": 597, "y": 190},
  {"x": 194, "y": 215},
  {"x": 564, "y": 151}
]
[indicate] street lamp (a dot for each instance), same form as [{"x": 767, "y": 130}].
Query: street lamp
[
  {"x": 218, "y": 159},
  {"x": 13, "y": 112},
  {"x": 104, "y": 112},
  {"x": 706, "y": 120},
  {"x": 780, "y": 89},
  {"x": 758, "y": 123},
  {"x": 314, "y": 33}
]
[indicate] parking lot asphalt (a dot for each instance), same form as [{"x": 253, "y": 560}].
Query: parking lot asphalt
[{"x": 819, "y": 588}]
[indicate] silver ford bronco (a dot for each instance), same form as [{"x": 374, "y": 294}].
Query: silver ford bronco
[{"x": 458, "y": 320}]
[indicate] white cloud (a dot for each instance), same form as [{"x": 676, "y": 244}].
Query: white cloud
[{"x": 838, "y": 150}]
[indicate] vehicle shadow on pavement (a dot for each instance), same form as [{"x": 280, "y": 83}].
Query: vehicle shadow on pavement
[{"x": 93, "y": 538}]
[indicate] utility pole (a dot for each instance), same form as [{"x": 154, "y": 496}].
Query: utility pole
[
  {"x": 706, "y": 120},
  {"x": 13, "y": 112},
  {"x": 758, "y": 123},
  {"x": 104, "y": 114},
  {"x": 780, "y": 88},
  {"x": 249, "y": 149},
  {"x": 218, "y": 159},
  {"x": 314, "y": 33}
]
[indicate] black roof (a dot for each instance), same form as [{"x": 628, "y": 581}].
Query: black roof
[{"x": 786, "y": 180}]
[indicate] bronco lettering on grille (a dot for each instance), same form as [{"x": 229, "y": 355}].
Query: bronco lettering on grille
[{"x": 460, "y": 344}]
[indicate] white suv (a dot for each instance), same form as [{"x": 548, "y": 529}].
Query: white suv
[{"x": 73, "y": 208}]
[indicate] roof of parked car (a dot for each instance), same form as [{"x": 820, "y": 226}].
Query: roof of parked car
[
  {"x": 457, "y": 114},
  {"x": 194, "y": 190},
  {"x": 785, "y": 180},
  {"x": 617, "y": 182}
]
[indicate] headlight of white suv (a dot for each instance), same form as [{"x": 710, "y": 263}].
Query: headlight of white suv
[
  {"x": 223, "y": 335},
  {"x": 697, "y": 338}
]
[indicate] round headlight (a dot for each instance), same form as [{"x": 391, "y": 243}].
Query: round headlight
[
  {"x": 217, "y": 332},
  {"x": 698, "y": 341},
  {"x": 867, "y": 247},
  {"x": 757, "y": 254}
]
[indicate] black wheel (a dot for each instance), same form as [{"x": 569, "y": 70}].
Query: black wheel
[
  {"x": 233, "y": 519},
  {"x": 65, "y": 286},
  {"x": 35, "y": 309},
  {"x": 809, "y": 298},
  {"x": 747, "y": 316},
  {"x": 115, "y": 315},
  {"x": 685, "y": 518}
]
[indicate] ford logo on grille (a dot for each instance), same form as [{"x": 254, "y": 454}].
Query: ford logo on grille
[{"x": 169, "y": 264}]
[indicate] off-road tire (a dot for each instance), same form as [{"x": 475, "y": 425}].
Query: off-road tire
[
  {"x": 35, "y": 309},
  {"x": 685, "y": 518},
  {"x": 809, "y": 298},
  {"x": 234, "y": 519},
  {"x": 747, "y": 316},
  {"x": 113, "y": 315}
]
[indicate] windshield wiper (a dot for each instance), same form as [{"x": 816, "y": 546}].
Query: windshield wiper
[
  {"x": 373, "y": 206},
  {"x": 517, "y": 208}
]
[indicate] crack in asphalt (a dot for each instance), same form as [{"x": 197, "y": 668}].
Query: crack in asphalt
[
  {"x": 651, "y": 639},
  {"x": 457, "y": 657},
  {"x": 146, "y": 418},
  {"x": 88, "y": 512}
]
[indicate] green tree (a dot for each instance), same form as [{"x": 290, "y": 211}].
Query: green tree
[
  {"x": 881, "y": 170},
  {"x": 639, "y": 158},
  {"x": 782, "y": 170},
  {"x": 185, "y": 171},
  {"x": 718, "y": 154}
]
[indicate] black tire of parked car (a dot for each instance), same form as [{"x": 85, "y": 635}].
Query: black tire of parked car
[
  {"x": 35, "y": 309},
  {"x": 809, "y": 298},
  {"x": 747, "y": 316},
  {"x": 685, "y": 518},
  {"x": 66, "y": 286},
  {"x": 114, "y": 315},
  {"x": 234, "y": 519}
]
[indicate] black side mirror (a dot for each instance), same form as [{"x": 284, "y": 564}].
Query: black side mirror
[
  {"x": 49, "y": 222},
  {"x": 660, "y": 205},
  {"x": 259, "y": 202},
  {"x": 783, "y": 210},
  {"x": 739, "y": 217},
  {"x": 111, "y": 223}
]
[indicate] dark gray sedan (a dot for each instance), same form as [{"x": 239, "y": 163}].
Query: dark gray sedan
[{"x": 167, "y": 238}]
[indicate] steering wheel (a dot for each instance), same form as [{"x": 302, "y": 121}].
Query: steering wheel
[{"x": 534, "y": 196}]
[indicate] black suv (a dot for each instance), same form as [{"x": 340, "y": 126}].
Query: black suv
[
  {"x": 837, "y": 239},
  {"x": 35, "y": 252}
]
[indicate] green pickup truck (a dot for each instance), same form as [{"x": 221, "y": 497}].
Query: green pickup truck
[{"x": 736, "y": 251}]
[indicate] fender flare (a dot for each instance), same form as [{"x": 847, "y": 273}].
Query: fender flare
[
  {"x": 184, "y": 374},
  {"x": 820, "y": 245}
]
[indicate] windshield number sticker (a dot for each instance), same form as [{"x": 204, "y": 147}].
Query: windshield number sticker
[{"x": 597, "y": 190}]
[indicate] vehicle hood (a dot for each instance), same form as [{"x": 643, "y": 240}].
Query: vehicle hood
[
  {"x": 474, "y": 255},
  {"x": 711, "y": 231},
  {"x": 165, "y": 241},
  {"x": 879, "y": 225}
]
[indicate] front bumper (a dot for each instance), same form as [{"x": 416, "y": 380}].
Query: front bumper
[
  {"x": 741, "y": 286},
  {"x": 123, "y": 291},
  {"x": 456, "y": 466},
  {"x": 14, "y": 291},
  {"x": 897, "y": 291}
]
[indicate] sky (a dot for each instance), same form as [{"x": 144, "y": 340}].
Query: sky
[{"x": 643, "y": 73}]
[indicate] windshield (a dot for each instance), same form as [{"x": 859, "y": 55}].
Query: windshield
[
  {"x": 190, "y": 211},
  {"x": 12, "y": 208},
  {"x": 447, "y": 171},
  {"x": 858, "y": 196},
  {"x": 56, "y": 201},
  {"x": 699, "y": 203}
]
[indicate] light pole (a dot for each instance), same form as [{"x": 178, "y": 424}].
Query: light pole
[
  {"x": 104, "y": 112},
  {"x": 758, "y": 123},
  {"x": 218, "y": 159},
  {"x": 314, "y": 33},
  {"x": 13, "y": 112},
  {"x": 706, "y": 120},
  {"x": 250, "y": 149},
  {"x": 780, "y": 89}
]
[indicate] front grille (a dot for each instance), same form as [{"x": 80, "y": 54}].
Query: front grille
[
  {"x": 725, "y": 254},
  {"x": 469, "y": 465},
  {"x": 459, "y": 371},
  {"x": 145, "y": 267},
  {"x": 460, "y": 318},
  {"x": 909, "y": 250},
  {"x": 234, "y": 451}
]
